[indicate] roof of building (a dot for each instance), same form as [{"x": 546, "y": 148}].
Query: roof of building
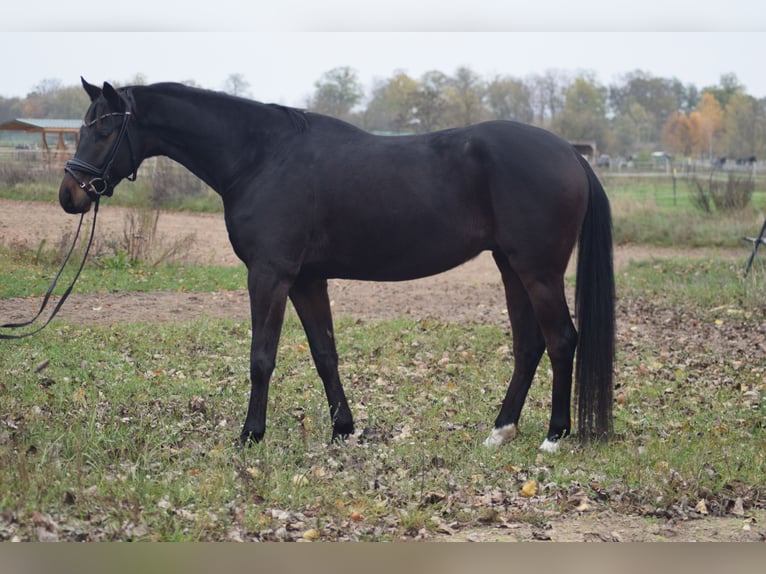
[{"x": 41, "y": 125}]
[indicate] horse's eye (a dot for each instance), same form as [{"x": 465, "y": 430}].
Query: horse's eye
[{"x": 102, "y": 133}]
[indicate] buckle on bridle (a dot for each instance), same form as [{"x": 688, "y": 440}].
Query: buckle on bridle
[{"x": 99, "y": 186}]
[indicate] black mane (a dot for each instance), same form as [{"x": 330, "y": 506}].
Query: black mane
[{"x": 296, "y": 116}]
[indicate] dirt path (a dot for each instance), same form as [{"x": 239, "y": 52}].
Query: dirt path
[{"x": 471, "y": 292}]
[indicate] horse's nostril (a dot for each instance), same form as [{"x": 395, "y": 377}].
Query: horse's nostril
[{"x": 70, "y": 202}]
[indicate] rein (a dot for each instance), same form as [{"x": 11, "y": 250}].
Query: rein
[
  {"x": 66, "y": 293},
  {"x": 97, "y": 187}
]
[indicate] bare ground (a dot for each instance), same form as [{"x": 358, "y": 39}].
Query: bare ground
[{"x": 469, "y": 293}]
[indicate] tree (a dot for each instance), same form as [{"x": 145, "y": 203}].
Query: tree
[
  {"x": 743, "y": 127},
  {"x": 430, "y": 102},
  {"x": 50, "y": 100},
  {"x": 584, "y": 113},
  {"x": 36, "y": 102},
  {"x": 711, "y": 122},
  {"x": 688, "y": 97},
  {"x": 632, "y": 130},
  {"x": 138, "y": 79},
  {"x": 682, "y": 134},
  {"x": 47, "y": 87},
  {"x": 393, "y": 105},
  {"x": 658, "y": 97},
  {"x": 547, "y": 94},
  {"x": 727, "y": 87},
  {"x": 464, "y": 96},
  {"x": 337, "y": 92},
  {"x": 10, "y": 108},
  {"x": 237, "y": 85},
  {"x": 510, "y": 99}
]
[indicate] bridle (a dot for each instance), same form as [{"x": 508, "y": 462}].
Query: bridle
[
  {"x": 100, "y": 185},
  {"x": 96, "y": 188}
]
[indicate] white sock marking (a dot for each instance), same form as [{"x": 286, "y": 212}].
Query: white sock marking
[
  {"x": 549, "y": 446},
  {"x": 502, "y": 435}
]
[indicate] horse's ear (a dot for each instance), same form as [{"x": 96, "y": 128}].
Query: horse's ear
[
  {"x": 111, "y": 95},
  {"x": 93, "y": 91}
]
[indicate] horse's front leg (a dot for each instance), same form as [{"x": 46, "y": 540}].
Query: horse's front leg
[{"x": 268, "y": 297}]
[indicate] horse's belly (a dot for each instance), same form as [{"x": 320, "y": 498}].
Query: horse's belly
[{"x": 378, "y": 263}]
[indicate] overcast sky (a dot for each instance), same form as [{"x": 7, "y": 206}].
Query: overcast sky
[{"x": 282, "y": 50}]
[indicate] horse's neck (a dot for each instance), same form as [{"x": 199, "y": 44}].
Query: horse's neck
[{"x": 204, "y": 132}]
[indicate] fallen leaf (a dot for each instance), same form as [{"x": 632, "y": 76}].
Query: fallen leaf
[
  {"x": 529, "y": 489},
  {"x": 299, "y": 479},
  {"x": 311, "y": 534},
  {"x": 432, "y": 497},
  {"x": 701, "y": 506},
  {"x": 79, "y": 397}
]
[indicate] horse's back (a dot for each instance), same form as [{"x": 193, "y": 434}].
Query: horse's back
[{"x": 400, "y": 207}]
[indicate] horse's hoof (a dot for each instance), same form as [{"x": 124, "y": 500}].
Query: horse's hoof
[
  {"x": 341, "y": 432},
  {"x": 549, "y": 446},
  {"x": 247, "y": 438},
  {"x": 501, "y": 435},
  {"x": 340, "y": 438}
]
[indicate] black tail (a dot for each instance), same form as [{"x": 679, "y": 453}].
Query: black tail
[{"x": 594, "y": 308}]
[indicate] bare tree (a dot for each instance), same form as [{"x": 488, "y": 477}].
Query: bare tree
[{"x": 237, "y": 85}]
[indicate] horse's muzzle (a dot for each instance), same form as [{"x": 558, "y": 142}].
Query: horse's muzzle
[{"x": 72, "y": 198}]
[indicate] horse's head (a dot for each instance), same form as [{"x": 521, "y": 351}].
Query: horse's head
[{"x": 104, "y": 155}]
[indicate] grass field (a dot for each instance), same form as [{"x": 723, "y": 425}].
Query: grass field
[
  {"x": 649, "y": 212},
  {"x": 127, "y": 432}
]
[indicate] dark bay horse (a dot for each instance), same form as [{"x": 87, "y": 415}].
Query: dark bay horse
[{"x": 308, "y": 197}]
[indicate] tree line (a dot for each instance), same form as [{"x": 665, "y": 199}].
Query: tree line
[{"x": 638, "y": 113}]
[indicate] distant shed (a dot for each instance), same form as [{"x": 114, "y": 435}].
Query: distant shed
[
  {"x": 587, "y": 148},
  {"x": 46, "y": 127}
]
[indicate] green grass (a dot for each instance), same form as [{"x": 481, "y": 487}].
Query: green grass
[
  {"x": 646, "y": 225},
  {"x": 128, "y": 194},
  {"x": 127, "y": 432},
  {"x": 647, "y": 212},
  {"x": 29, "y": 274},
  {"x": 701, "y": 283}
]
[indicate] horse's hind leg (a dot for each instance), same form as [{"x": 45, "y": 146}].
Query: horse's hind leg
[
  {"x": 528, "y": 348},
  {"x": 313, "y": 306},
  {"x": 546, "y": 292}
]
